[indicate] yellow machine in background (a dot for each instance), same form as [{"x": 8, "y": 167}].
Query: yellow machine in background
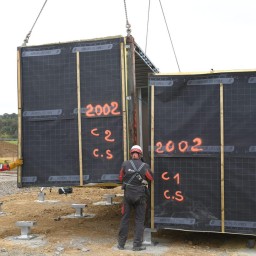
[{"x": 8, "y": 166}]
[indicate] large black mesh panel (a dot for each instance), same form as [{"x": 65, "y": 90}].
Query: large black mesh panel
[
  {"x": 102, "y": 116},
  {"x": 240, "y": 163},
  {"x": 190, "y": 198},
  {"x": 187, "y": 151},
  {"x": 49, "y": 118}
]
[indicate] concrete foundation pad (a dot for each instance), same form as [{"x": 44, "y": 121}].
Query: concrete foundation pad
[
  {"x": 151, "y": 249},
  {"x": 73, "y": 216},
  {"x": 37, "y": 241},
  {"x": 24, "y": 237},
  {"x": 47, "y": 201},
  {"x": 105, "y": 203}
]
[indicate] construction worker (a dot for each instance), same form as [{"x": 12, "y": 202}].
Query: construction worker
[
  {"x": 134, "y": 175},
  {"x": 12, "y": 165}
]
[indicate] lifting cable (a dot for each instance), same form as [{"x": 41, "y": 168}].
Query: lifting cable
[
  {"x": 147, "y": 27},
  {"x": 128, "y": 25},
  {"x": 169, "y": 36},
  {"x": 29, "y": 33}
]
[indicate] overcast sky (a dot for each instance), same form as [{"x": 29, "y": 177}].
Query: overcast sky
[{"x": 206, "y": 34}]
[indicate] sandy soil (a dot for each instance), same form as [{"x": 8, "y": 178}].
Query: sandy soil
[
  {"x": 58, "y": 235},
  {"x": 8, "y": 151}
]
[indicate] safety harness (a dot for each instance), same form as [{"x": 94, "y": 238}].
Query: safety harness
[{"x": 136, "y": 174}]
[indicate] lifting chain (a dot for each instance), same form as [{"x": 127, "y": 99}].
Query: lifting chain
[
  {"x": 128, "y": 25},
  {"x": 30, "y": 31}
]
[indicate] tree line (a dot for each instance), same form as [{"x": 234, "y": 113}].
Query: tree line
[{"x": 9, "y": 126}]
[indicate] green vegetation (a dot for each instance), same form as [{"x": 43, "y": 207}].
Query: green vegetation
[{"x": 9, "y": 126}]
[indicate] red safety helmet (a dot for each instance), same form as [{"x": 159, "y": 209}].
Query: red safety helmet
[{"x": 137, "y": 149}]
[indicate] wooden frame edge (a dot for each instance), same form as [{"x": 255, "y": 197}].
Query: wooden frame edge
[
  {"x": 152, "y": 157},
  {"x": 123, "y": 78},
  {"x": 79, "y": 118},
  {"x": 222, "y": 159},
  {"x": 19, "y": 85}
]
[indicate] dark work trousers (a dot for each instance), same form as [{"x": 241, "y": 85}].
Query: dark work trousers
[{"x": 137, "y": 202}]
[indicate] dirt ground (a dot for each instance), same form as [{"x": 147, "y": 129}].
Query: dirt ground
[
  {"x": 57, "y": 233},
  {"x": 8, "y": 151}
]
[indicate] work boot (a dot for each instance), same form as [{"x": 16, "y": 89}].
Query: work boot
[
  {"x": 120, "y": 247},
  {"x": 139, "y": 248}
]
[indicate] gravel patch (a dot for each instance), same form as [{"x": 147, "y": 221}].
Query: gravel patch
[
  {"x": 8, "y": 184},
  {"x": 8, "y": 188}
]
